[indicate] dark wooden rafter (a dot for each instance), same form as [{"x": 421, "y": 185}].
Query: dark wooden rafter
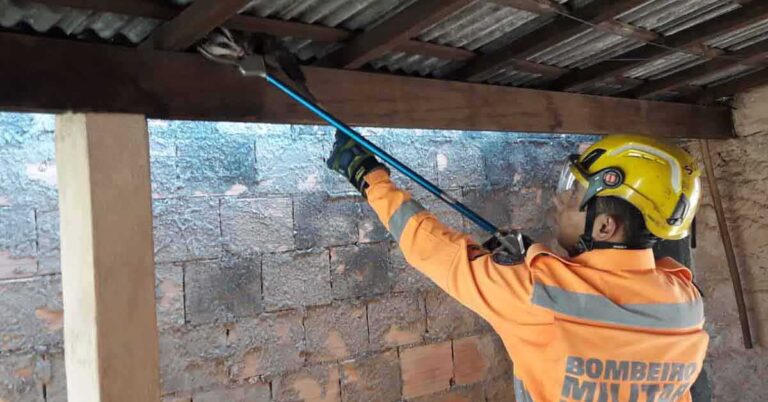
[
  {"x": 600, "y": 13},
  {"x": 57, "y": 75},
  {"x": 192, "y": 24},
  {"x": 691, "y": 40},
  {"x": 755, "y": 55},
  {"x": 394, "y": 31}
]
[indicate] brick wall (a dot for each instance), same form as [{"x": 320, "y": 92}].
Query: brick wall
[
  {"x": 741, "y": 169},
  {"x": 275, "y": 282}
]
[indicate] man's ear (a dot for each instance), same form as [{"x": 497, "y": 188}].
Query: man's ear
[{"x": 606, "y": 228}]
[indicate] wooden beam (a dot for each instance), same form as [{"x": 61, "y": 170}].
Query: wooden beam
[
  {"x": 756, "y": 55},
  {"x": 540, "y": 7},
  {"x": 196, "y": 21},
  {"x": 396, "y": 30},
  {"x": 560, "y": 30},
  {"x": 730, "y": 88},
  {"x": 55, "y": 75},
  {"x": 107, "y": 260},
  {"x": 690, "y": 40}
]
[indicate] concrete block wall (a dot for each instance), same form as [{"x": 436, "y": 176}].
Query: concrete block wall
[{"x": 275, "y": 281}]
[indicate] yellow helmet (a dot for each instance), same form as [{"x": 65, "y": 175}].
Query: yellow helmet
[{"x": 661, "y": 180}]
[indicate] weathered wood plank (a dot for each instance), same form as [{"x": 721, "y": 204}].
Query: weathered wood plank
[
  {"x": 56, "y": 75},
  {"x": 107, "y": 258}
]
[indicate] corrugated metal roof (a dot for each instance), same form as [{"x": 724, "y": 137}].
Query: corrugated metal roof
[
  {"x": 741, "y": 38},
  {"x": 476, "y": 25},
  {"x": 671, "y": 16},
  {"x": 76, "y": 22},
  {"x": 587, "y": 48},
  {"x": 414, "y": 64},
  {"x": 725, "y": 75},
  {"x": 665, "y": 66},
  {"x": 483, "y": 26}
]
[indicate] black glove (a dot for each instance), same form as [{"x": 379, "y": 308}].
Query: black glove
[{"x": 352, "y": 161}]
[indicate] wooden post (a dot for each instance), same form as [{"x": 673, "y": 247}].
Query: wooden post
[{"x": 110, "y": 327}]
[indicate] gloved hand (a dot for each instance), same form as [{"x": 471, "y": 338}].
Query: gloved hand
[{"x": 352, "y": 161}]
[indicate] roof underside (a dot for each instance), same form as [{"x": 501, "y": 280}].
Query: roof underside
[{"x": 478, "y": 29}]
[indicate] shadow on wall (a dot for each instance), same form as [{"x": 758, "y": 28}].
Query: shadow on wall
[{"x": 274, "y": 280}]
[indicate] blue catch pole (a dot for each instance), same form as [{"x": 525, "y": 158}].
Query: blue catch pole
[{"x": 371, "y": 147}]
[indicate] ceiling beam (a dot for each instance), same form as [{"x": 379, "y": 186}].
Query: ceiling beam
[
  {"x": 598, "y": 13},
  {"x": 192, "y": 24},
  {"x": 755, "y": 55},
  {"x": 690, "y": 40},
  {"x": 56, "y": 75},
  {"x": 389, "y": 34}
]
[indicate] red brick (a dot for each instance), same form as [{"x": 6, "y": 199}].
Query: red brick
[
  {"x": 269, "y": 344},
  {"x": 316, "y": 384},
  {"x": 396, "y": 320},
  {"x": 446, "y": 317},
  {"x": 372, "y": 379},
  {"x": 336, "y": 332},
  {"x": 426, "y": 369},
  {"x": 500, "y": 389},
  {"x": 473, "y": 393},
  {"x": 479, "y": 357},
  {"x": 249, "y": 393}
]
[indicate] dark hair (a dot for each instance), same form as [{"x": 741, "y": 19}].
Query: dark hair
[{"x": 635, "y": 231}]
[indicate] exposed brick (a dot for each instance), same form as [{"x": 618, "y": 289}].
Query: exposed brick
[
  {"x": 474, "y": 393},
  {"x": 459, "y": 166},
  {"x": 291, "y": 163},
  {"x": 222, "y": 290},
  {"x": 48, "y": 253},
  {"x": 169, "y": 291},
  {"x": 257, "y": 225},
  {"x": 193, "y": 358},
  {"x": 164, "y": 175},
  {"x": 17, "y": 379},
  {"x": 479, "y": 357},
  {"x": 500, "y": 389},
  {"x": 186, "y": 229},
  {"x": 17, "y": 243},
  {"x": 360, "y": 271},
  {"x": 375, "y": 378},
  {"x": 296, "y": 279},
  {"x": 258, "y": 392},
  {"x": 426, "y": 369},
  {"x": 212, "y": 164},
  {"x": 270, "y": 344},
  {"x": 321, "y": 221},
  {"x": 335, "y": 332},
  {"x": 446, "y": 317},
  {"x": 439, "y": 208},
  {"x": 406, "y": 277},
  {"x": 177, "y": 398},
  {"x": 315, "y": 384},
  {"x": 414, "y": 150},
  {"x": 28, "y": 176},
  {"x": 31, "y": 313},
  {"x": 396, "y": 320}
]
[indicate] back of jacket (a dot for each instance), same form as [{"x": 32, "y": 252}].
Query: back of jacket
[
  {"x": 606, "y": 326},
  {"x": 624, "y": 328}
]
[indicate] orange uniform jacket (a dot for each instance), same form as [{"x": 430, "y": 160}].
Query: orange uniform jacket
[{"x": 606, "y": 326}]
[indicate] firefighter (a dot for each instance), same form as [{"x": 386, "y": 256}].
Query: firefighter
[{"x": 608, "y": 322}]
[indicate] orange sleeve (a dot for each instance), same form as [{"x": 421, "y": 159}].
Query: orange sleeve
[{"x": 450, "y": 259}]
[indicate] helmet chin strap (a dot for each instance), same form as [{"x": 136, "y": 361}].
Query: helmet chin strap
[{"x": 587, "y": 243}]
